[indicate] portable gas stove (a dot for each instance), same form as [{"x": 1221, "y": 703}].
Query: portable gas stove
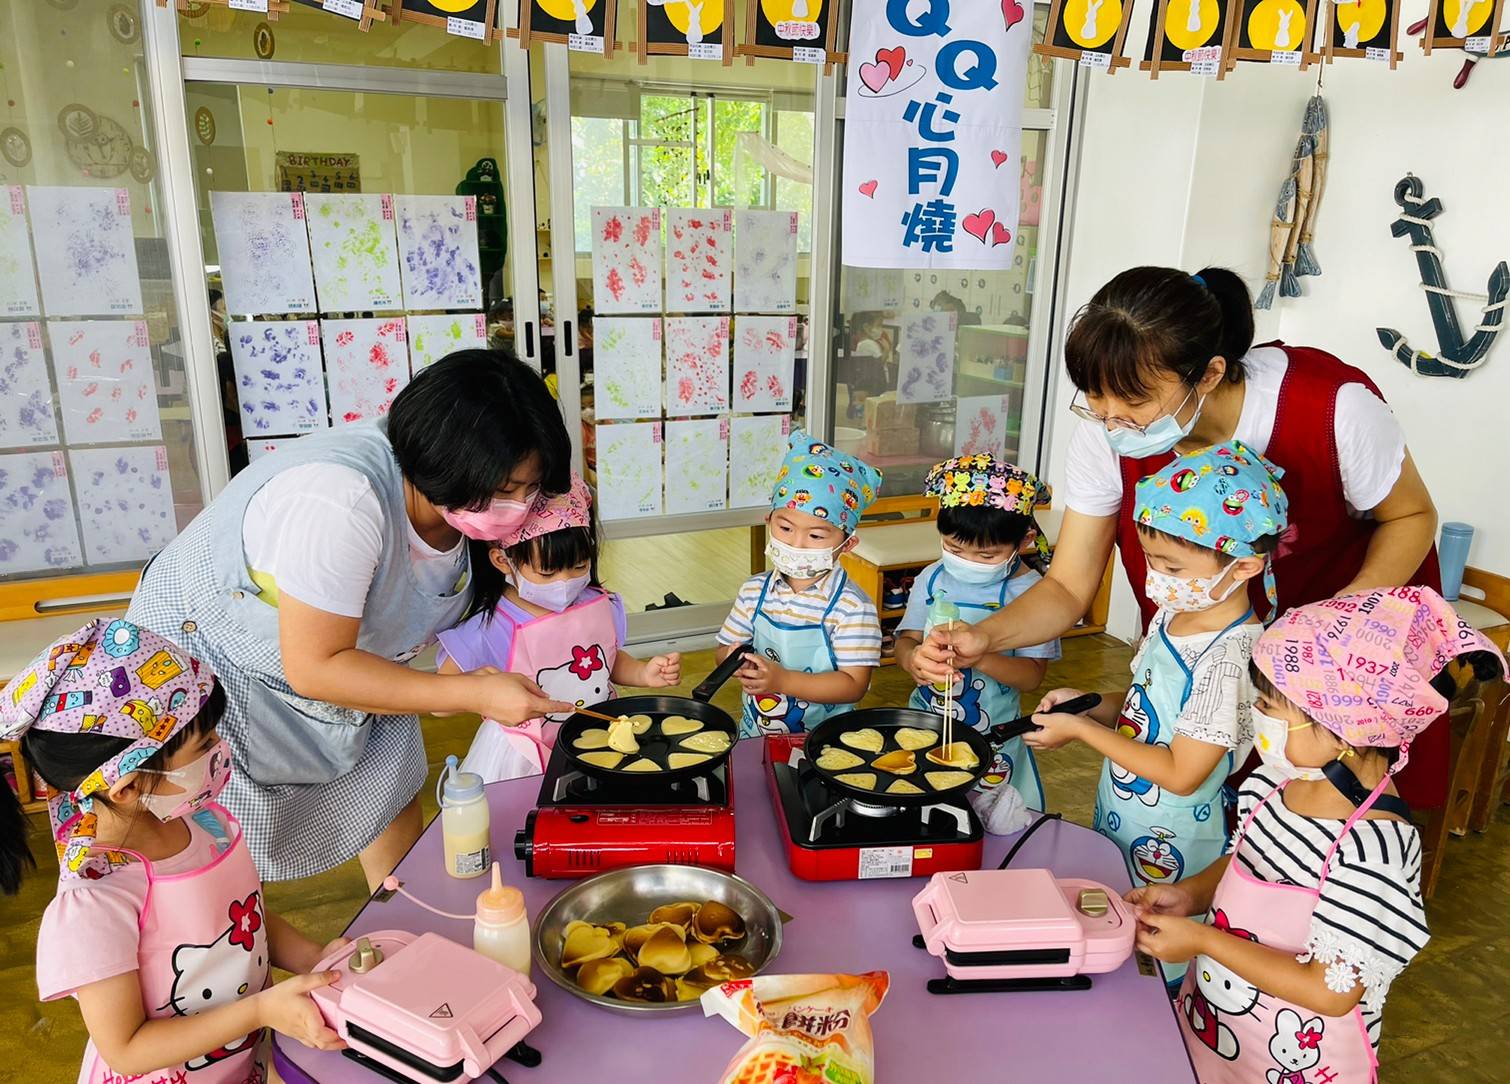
[
  {"x": 830, "y": 837},
  {"x": 584, "y": 825}
]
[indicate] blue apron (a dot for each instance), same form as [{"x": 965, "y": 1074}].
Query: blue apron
[
  {"x": 980, "y": 702},
  {"x": 802, "y": 647}
]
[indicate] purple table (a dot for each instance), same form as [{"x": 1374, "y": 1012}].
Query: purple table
[{"x": 1122, "y": 1028}]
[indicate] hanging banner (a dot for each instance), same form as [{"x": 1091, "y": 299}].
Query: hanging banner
[
  {"x": 690, "y": 28},
  {"x": 583, "y": 26},
  {"x": 933, "y": 131},
  {"x": 1273, "y": 32},
  {"x": 474, "y": 19},
  {"x": 800, "y": 30},
  {"x": 1188, "y": 36},
  {"x": 1471, "y": 25},
  {"x": 1365, "y": 28},
  {"x": 1089, "y": 31}
]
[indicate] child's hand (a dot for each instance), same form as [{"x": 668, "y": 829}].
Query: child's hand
[
  {"x": 1056, "y": 729},
  {"x": 1173, "y": 939},
  {"x": 288, "y": 1009},
  {"x": 1057, "y": 696},
  {"x": 663, "y": 670},
  {"x": 915, "y": 667},
  {"x": 760, "y": 675},
  {"x": 1172, "y": 899}
]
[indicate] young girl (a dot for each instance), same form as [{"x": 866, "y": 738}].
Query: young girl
[
  {"x": 158, "y": 927},
  {"x": 1318, "y": 907},
  {"x": 551, "y": 621}
]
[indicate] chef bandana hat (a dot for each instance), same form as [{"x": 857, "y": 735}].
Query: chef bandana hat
[
  {"x": 822, "y": 481},
  {"x": 983, "y": 481},
  {"x": 115, "y": 680},
  {"x": 1363, "y": 666},
  {"x": 550, "y": 514}
]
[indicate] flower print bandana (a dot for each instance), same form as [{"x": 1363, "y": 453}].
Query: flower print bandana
[
  {"x": 116, "y": 680},
  {"x": 983, "y": 481},
  {"x": 550, "y": 514},
  {"x": 822, "y": 481}
]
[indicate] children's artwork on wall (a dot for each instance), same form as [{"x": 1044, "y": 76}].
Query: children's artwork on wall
[
  {"x": 18, "y": 278},
  {"x": 1365, "y": 28},
  {"x": 476, "y": 19},
  {"x": 757, "y": 445},
  {"x": 583, "y": 26},
  {"x": 1273, "y": 32},
  {"x": 1090, "y": 31},
  {"x": 925, "y": 357},
  {"x": 433, "y": 337},
  {"x": 86, "y": 251},
  {"x": 437, "y": 245},
  {"x": 697, "y": 456},
  {"x": 980, "y": 425},
  {"x": 367, "y": 362},
  {"x": 264, "y": 252},
  {"x": 697, "y": 365},
  {"x": 362, "y": 12},
  {"x": 1464, "y": 24},
  {"x": 38, "y": 531},
  {"x": 106, "y": 386},
  {"x": 699, "y": 255},
  {"x": 1192, "y": 38},
  {"x": 765, "y": 261},
  {"x": 626, "y": 260},
  {"x": 800, "y": 30},
  {"x": 692, "y": 28},
  {"x": 764, "y": 362},
  {"x": 256, "y": 448},
  {"x": 872, "y": 289},
  {"x": 26, "y": 416},
  {"x": 279, "y": 382},
  {"x": 629, "y": 470},
  {"x": 355, "y": 253},
  {"x": 1292, "y": 252},
  {"x": 626, "y": 367},
  {"x": 125, "y": 502}
]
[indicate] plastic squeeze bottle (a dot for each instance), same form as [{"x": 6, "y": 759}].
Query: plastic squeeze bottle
[
  {"x": 463, "y": 822},
  {"x": 502, "y": 929}
]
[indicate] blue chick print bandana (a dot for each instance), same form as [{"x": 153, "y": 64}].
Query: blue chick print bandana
[{"x": 822, "y": 481}]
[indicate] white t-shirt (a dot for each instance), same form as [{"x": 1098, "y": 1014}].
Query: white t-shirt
[
  {"x": 316, "y": 532},
  {"x": 1370, "y": 442}
]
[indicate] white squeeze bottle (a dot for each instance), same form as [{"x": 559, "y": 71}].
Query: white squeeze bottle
[
  {"x": 502, "y": 929},
  {"x": 463, "y": 822}
]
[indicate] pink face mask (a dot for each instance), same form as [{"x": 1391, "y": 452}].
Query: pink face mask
[
  {"x": 201, "y": 782},
  {"x": 498, "y": 520}
]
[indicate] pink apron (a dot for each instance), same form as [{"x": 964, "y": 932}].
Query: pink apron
[
  {"x": 203, "y": 944},
  {"x": 1239, "y": 1034}
]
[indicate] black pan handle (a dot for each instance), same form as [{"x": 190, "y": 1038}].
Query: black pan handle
[
  {"x": 1018, "y": 727},
  {"x": 725, "y": 670}
]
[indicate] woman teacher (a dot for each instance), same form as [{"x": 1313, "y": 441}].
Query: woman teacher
[
  {"x": 1164, "y": 363},
  {"x": 321, "y": 570}
]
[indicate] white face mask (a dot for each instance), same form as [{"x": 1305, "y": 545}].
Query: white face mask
[
  {"x": 977, "y": 572},
  {"x": 800, "y": 564},
  {"x": 1270, "y": 736},
  {"x": 1185, "y": 596}
]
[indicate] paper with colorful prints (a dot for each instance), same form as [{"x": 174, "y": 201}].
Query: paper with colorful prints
[
  {"x": 437, "y": 244},
  {"x": 264, "y": 252},
  {"x": 125, "y": 501},
  {"x": 257, "y": 448},
  {"x": 980, "y": 425},
  {"x": 629, "y": 470},
  {"x": 765, "y": 261},
  {"x": 355, "y": 254},
  {"x": 626, "y": 367},
  {"x": 433, "y": 337},
  {"x": 86, "y": 251},
  {"x": 626, "y": 259},
  {"x": 105, "y": 383},
  {"x": 697, "y": 365},
  {"x": 26, "y": 416},
  {"x": 765, "y": 350},
  {"x": 697, "y": 465},
  {"x": 757, "y": 446},
  {"x": 699, "y": 255},
  {"x": 18, "y": 277},
  {"x": 367, "y": 363},
  {"x": 925, "y": 357},
  {"x": 279, "y": 382},
  {"x": 868, "y": 289},
  {"x": 38, "y": 531}
]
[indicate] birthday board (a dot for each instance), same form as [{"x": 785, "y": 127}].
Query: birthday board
[
  {"x": 692, "y": 28},
  {"x": 583, "y": 26},
  {"x": 38, "y": 531},
  {"x": 764, "y": 362},
  {"x": 1365, "y": 29},
  {"x": 437, "y": 244},
  {"x": 433, "y": 337},
  {"x": 1273, "y": 32},
  {"x": 355, "y": 252},
  {"x": 1188, "y": 36},
  {"x": 626, "y": 367},
  {"x": 279, "y": 382},
  {"x": 18, "y": 279},
  {"x": 757, "y": 444},
  {"x": 696, "y": 473},
  {"x": 367, "y": 364},
  {"x": 626, "y": 259},
  {"x": 699, "y": 257},
  {"x": 629, "y": 469},
  {"x": 26, "y": 416},
  {"x": 697, "y": 365},
  {"x": 800, "y": 30},
  {"x": 264, "y": 252},
  {"x": 1089, "y": 31},
  {"x": 765, "y": 261},
  {"x": 105, "y": 384},
  {"x": 925, "y": 357},
  {"x": 125, "y": 502},
  {"x": 86, "y": 251}
]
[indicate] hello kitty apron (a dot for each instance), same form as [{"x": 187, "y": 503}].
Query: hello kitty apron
[
  {"x": 1238, "y": 1034},
  {"x": 203, "y": 944}
]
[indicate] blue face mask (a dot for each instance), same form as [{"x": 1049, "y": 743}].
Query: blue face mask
[
  {"x": 1157, "y": 438},
  {"x": 978, "y": 573}
]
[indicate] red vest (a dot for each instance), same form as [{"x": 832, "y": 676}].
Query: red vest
[{"x": 1329, "y": 544}]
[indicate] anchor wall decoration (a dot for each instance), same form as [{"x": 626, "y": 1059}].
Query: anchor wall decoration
[{"x": 1455, "y": 356}]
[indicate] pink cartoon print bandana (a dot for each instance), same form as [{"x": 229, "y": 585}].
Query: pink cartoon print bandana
[{"x": 549, "y": 514}]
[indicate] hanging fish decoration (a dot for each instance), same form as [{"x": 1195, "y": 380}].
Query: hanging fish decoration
[{"x": 1291, "y": 252}]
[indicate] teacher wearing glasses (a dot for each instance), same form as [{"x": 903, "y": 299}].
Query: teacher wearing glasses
[{"x": 1165, "y": 364}]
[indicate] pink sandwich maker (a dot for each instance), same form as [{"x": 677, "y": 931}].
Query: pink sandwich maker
[
  {"x": 1021, "y": 929},
  {"x": 423, "y": 1009}
]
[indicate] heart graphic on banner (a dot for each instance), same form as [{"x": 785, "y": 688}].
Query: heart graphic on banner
[
  {"x": 875, "y": 76},
  {"x": 1000, "y": 235},
  {"x": 979, "y": 225},
  {"x": 868, "y": 189},
  {"x": 893, "y": 58},
  {"x": 999, "y": 158}
]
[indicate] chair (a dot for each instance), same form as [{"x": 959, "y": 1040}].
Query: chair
[
  {"x": 1487, "y": 598},
  {"x": 1469, "y": 718}
]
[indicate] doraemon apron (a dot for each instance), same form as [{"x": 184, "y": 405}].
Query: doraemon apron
[
  {"x": 980, "y": 702},
  {"x": 203, "y": 944},
  {"x": 795, "y": 646}
]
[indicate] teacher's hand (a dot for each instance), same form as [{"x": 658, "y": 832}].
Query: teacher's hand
[
  {"x": 947, "y": 650},
  {"x": 512, "y": 699}
]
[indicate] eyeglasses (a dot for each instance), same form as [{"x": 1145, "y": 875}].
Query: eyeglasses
[{"x": 1083, "y": 410}]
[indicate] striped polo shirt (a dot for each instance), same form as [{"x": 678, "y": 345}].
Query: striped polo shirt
[{"x": 853, "y": 627}]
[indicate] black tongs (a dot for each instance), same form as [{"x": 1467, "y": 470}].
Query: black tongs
[{"x": 1018, "y": 727}]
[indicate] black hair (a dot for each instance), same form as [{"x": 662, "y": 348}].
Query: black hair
[
  {"x": 549, "y": 553},
  {"x": 1153, "y": 320},
  {"x": 215, "y": 295},
  {"x": 1263, "y": 546},
  {"x": 462, "y": 425},
  {"x": 982, "y": 526}
]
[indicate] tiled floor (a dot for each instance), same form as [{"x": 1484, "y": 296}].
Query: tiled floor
[{"x": 1448, "y": 1018}]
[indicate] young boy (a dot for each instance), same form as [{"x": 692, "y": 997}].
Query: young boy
[
  {"x": 986, "y": 524},
  {"x": 816, "y": 636}
]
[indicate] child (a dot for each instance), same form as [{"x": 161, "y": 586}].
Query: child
[
  {"x": 158, "y": 927},
  {"x": 550, "y": 621},
  {"x": 986, "y": 522},
  {"x": 816, "y": 637},
  {"x": 864, "y": 367},
  {"x": 1318, "y": 908}
]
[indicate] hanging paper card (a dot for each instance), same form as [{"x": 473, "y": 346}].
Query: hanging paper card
[
  {"x": 629, "y": 470},
  {"x": 26, "y": 417},
  {"x": 584, "y": 26},
  {"x": 1090, "y": 31},
  {"x": 125, "y": 501},
  {"x": 626, "y": 367},
  {"x": 626, "y": 259},
  {"x": 437, "y": 243},
  {"x": 1192, "y": 38},
  {"x": 698, "y": 258},
  {"x": 257, "y": 448},
  {"x": 1273, "y": 31},
  {"x": 801, "y": 30},
  {"x": 279, "y": 382},
  {"x": 105, "y": 383},
  {"x": 18, "y": 279},
  {"x": 697, "y": 365},
  {"x": 38, "y": 532},
  {"x": 362, "y": 12},
  {"x": 925, "y": 357},
  {"x": 757, "y": 444},
  {"x": 462, "y": 18},
  {"x": 355, "y": 254},
  {"x": 868, "y": 289},
  {"x": 433, "y": 337},
  {"x": 367, "y": 362},
  {"x": 691, "y": 28},
  {"x": 697, "y": 455},
  {"x": 765, "y": 261},
  {"x": 765, "y": 350},
  {"x": 264, "y": 252},
  {"x": 980, "y": 425},
  {"x": 1365, "y": 28},
  {"x": 86, "y": 252}
]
